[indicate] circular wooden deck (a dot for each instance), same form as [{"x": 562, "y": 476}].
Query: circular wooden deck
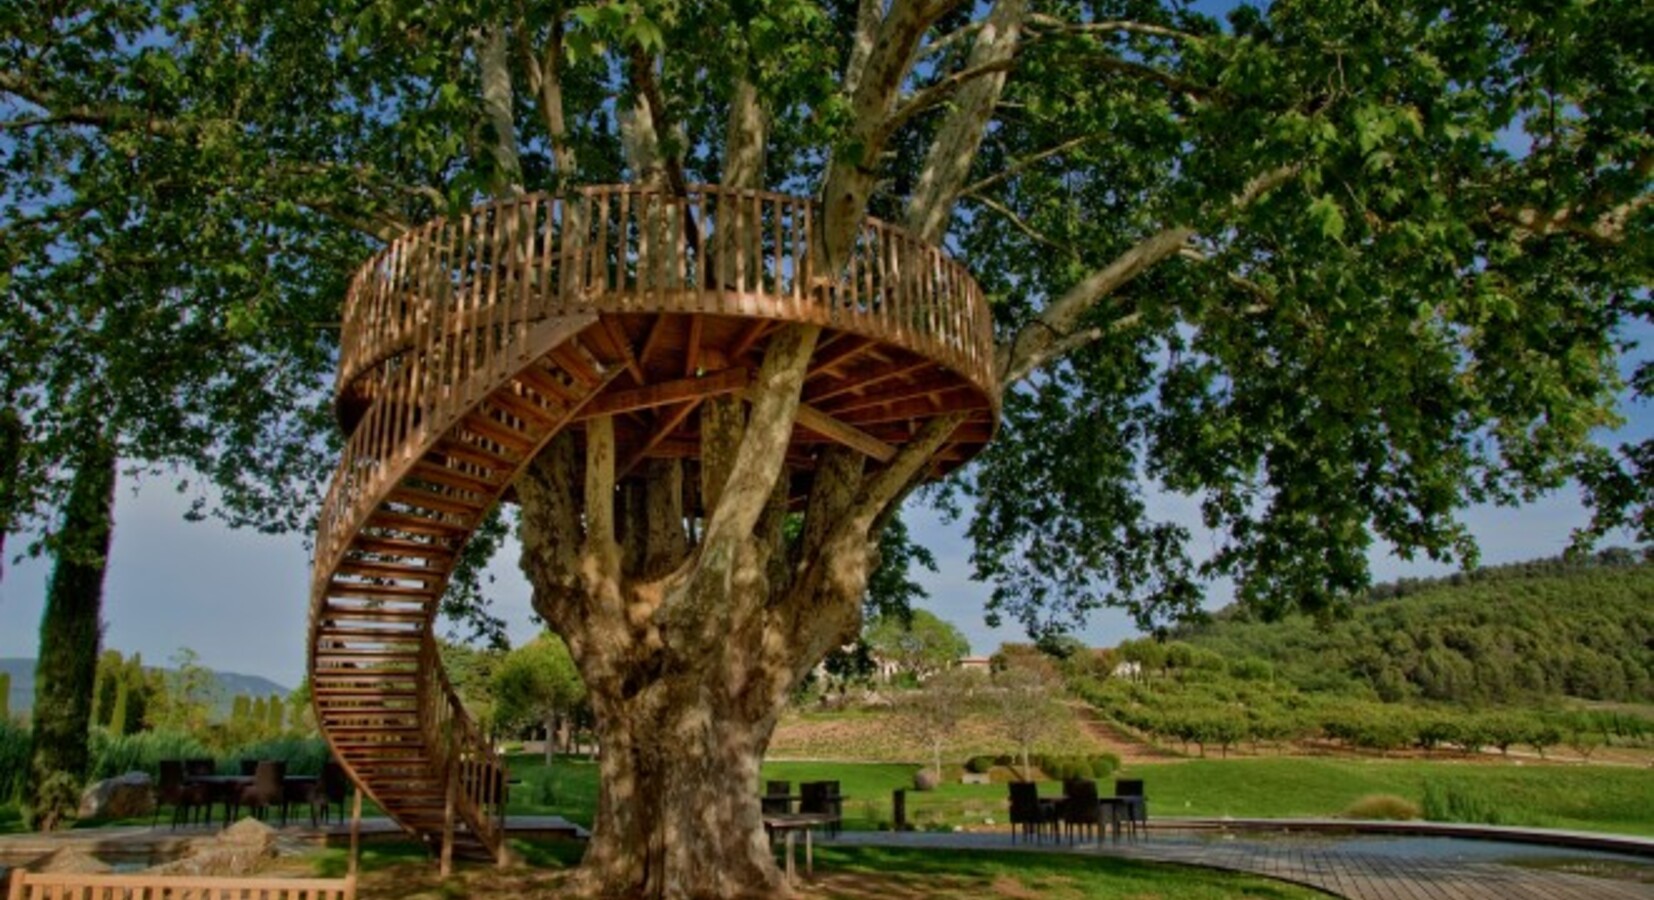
[{"x": 686, "y": 291}]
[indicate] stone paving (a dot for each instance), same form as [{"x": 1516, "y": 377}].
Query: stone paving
[{"x": 1338, "y": 870}]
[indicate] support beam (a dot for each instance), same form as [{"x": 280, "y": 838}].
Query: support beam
[
  {"x": 727, "y": 381},
  {"x": 848, "y": 435},
  {"x": 668, "y": 424},
  {"x": 656, "y": 331},
  {"x": 692, "y": 353}
]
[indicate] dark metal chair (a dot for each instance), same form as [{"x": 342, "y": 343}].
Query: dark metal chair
[
  {"x": 1029, "y": 812},
  {"x": 822, "y": 798},
  {"x": 778, "y": 790},
  {"x": 267, "y": 790},
  {"x": 183, "y": 798},
  {"x": 1130, "y": 792},
  {"x": 1083, "y": 810}
]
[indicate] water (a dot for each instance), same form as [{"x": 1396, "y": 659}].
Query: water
[{"x": 1435, "y": 849}]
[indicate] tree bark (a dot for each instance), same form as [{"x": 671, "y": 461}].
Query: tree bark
[{"x": 70, "y": 632}]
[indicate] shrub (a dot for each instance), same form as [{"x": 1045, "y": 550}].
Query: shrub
[
  {"x": 143, "y": 751},
  {"x": 304, "y": 756},
  {"x": 1450, "y": 801},
  {"x": 1387, "y": 807},
  {"x": 981, "y": 765},
  {"x": 14, "y": 760}
]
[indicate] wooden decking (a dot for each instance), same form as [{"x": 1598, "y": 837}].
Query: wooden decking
[{"x": 469, "y": 343}]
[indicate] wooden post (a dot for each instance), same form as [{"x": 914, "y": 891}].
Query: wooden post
[
  {"x": 447, "y": 864},
  {"x": 355, "y": 839}
]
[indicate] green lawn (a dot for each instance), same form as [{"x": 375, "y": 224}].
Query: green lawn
[{"x": 1589, "y": 798}]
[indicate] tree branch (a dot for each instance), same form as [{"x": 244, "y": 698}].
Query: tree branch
[
  {"x": 1021, "y": 225},
  {"x": 1027, "y": 161},
  {"x": 496, "y": 104},
  {"x": 940, "y": 92},
  {"x": 1051, "y": 24},
  {"x": 1031, "y": 348}
]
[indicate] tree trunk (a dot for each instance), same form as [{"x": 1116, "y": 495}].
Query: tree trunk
[
  {"x": 551, "y": 735},
  {"x": 678, "y": 813},
  {"x": 69, "y": 635}
]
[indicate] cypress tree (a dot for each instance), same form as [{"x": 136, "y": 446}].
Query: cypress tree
[
  {"x": 70, "y": 631},
  {"x": 276, "y": 717},
  {"x": 241, "y": 708},
  {"x": 117, "y": 714},
  {"x": 5, "y": 696},
  {"x": 260, "y": 714}
]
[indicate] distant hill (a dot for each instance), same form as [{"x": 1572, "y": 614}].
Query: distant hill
[
  {"x": 230, "y": 684},
  {"x": 1518, "y": 633}
]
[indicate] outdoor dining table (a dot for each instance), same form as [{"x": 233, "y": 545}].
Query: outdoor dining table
[{"x": 789, "y": 824}]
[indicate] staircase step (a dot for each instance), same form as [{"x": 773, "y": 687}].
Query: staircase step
[
  {"x": 338, "y": 588},
  {"x": 511, "y": 402},
  {"x": 547, "y": 385},
  {"x": 382, "y": 635},
  {"x": 352, "y": 653},
  {"x": 412, "y": 524},
  {"x": 489, "y": 428},
  {"x": 375, "y": 569},
  {"x": 448, "y": 477},
  {"x": 454, "y": 447},
  {"x": 442, "y": 503},
  {"x": 390, "y": 546},
  {"x": 373, "y": 613}
]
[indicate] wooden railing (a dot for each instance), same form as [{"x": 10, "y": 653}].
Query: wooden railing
[
  {"x": 474, "y": 771},
  {"x": 621, "y": 249},
  {"x": 138, "y": 886}
]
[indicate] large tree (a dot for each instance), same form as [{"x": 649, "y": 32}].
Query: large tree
[{"x": 1336, "y": 269}]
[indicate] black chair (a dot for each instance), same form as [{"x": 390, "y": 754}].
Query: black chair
[
  {"x": 1130, "y": 791},
  {"x": 248, "y": 767},
  {"x": 183, "y": 798},
  {"x": 779, "y": 790},
  {"x": 1028, "y": 812},
  {"x": 1083, "y": 810},
  {"x": 267, "y": 790},
  {"x": 334, "y": 786},
  {"x": 200, "y": 767},
  {"x": 822, "y": 798}
]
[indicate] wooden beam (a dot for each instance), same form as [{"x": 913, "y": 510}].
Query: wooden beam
[
  {"x": 657, "y": 330},
  {"x": 842, "y": 353},
  {"x": 668, "y": 423},
  {"x": 692, "y": 353},
  {"x": 727, "y": 381},
  {"x": 859, "y": 385},
  {"x": 848, "y": 435},
  {"x": 749, "y": 337},
  {"x": 624, "y": 348}
]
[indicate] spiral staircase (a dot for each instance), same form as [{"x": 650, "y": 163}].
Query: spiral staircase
[{"x": 470, "y": 342}]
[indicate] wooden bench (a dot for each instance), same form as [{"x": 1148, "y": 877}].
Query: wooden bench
[{"x": 69, "y": 886}]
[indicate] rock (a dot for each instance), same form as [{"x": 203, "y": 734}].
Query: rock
[
  {"x": 71, "y": 860},
  {"x": 925, "y": 780},
  {"x": 126, "y": 797},
  {"x": 237, "y": 850}
]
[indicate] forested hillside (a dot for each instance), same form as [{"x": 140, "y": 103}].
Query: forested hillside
[{"x": 1511, "y": 634}]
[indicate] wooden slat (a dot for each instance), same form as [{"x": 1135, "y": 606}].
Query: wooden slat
[{"x": 726, "y": 381}]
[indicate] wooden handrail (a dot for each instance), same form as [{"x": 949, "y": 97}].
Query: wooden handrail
[{"x": 626, "y": 248}]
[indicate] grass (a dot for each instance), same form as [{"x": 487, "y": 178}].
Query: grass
[{"x": 1588, "y": 798}]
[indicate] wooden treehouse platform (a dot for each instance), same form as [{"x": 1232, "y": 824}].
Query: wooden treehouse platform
[{"x": 469, "y": 343}]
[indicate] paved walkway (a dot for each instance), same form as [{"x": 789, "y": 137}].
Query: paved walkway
[{"x": 1330, "y": 866}]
